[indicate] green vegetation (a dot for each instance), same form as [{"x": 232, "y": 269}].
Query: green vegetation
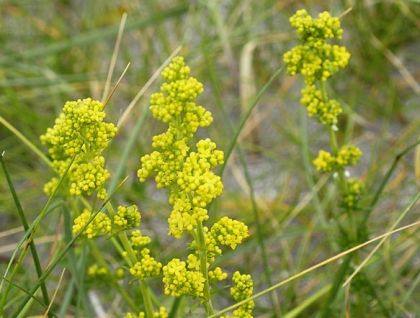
[{"x": 285, "y": 218}]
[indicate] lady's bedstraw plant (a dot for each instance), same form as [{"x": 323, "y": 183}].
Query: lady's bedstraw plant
[
  {"x": 187, "y": 174},
  {"x": 80, "y": 135},
  {"x": 317, "y": 60}
]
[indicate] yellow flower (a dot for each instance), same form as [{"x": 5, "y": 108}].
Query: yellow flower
[
  {"x": 98, "y": 272},
  {"x": 188, "y": 174},
  {"x": 242, "y": 289},
  {"x": 217, "y": 274},
  {"x": 80, "y": 133},
  {"x": 137, "y": 239},
  {"x": 178, "y": 280},
  {"x": 229, "y": 232},
  {"x": 127, "y": 217},
  {"x": 355, "y": 188},
  {"x": 101, "y": 224},
  {"x": 317, "y": 60},
  {"x": 162, "y": 313},
  {"x": 308, "y": 28},
  {"x": 326, "y": 111},
  {"x": 325, "y": 162},
  {"x": 187, "y": 171},
  {"x": 147, "y": 266},
  {"x": 348, "y": 156}
]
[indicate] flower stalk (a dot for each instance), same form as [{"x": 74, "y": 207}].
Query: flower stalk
[{"x": 204, "y": 269}]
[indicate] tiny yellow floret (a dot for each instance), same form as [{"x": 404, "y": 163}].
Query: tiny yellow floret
[{"x": 100, "y": 225}]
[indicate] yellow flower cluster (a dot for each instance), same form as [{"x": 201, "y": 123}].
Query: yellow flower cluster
[
  {"x": 326, "y": 111},
  {"x": 100, "y": 275},
  {"x": 213, "y": 248},
  {"x": 346, "y": 156},
  {"x": 187, "y": 174},
  {"x": 229, "y": 232},
  {"x": 324, "y": 27},
  {"x": 80, "y": 132},
  {"x": 96, "y": 271},
  {"x": 138, "y": 240},
  {"x": 225, "y": 232},
  {"x": 241, "y": 290},
  {"x": 174, "y": 104},
  {"x": 162, "y": 313},
  {"x": 217, "y": 274},
  {"x": 178, "y": 280},
  {"x": 147, "y": 266},
  {"x": 317, "y": 60},
  {"x": 197, "y": 186},
  {"x": 101, "y": 224},
  {"x": 354, "y": 189},
  {"x": 325, "y": 161},
  {"x": 127, "y": 217},
  {"x": 186, "y": 170}
]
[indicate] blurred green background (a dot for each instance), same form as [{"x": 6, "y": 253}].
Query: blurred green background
[{"x": 54, "y": 51}]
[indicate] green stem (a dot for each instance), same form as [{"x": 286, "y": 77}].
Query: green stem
[
  {"x": 146, "y": 299},
  {"x": 9, "y": 279},
  {"x": 260, "y": 235},
  {"x": 384, "y": 182},
  {"x": 123, "y": 238},
  {"x": 204, "y": 268},
  {"x": 127, "y": 246},
  {"x": 339, "y": 277},
  {"x": 132, "y": 258},
  {"x": 57, "y": 258},
  {"x": 308, "y": 302},
  {"x": 333, "y": 141},
  {"x": 175, "y": 307},
  {"x": 244, "y": 119},
  {"x": 25, "y": 224},
  {"x": 343, "y": 185},
  {"x": 77, "y": 264}
]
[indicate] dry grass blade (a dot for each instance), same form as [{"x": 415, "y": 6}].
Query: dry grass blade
[
  {"x": 312, "y": 268},
  {"x": 114, "y": 56},
  {"x": 42, "y": 240},
  {"x": 345, "y": 12},
  {"x": 117, "y": 84},
  {"x": 382, "y": 241},
  {"x": 55, "y": 293},
  {"x": 9, "y": 232},
  {"x": 411, "y": 81},
  {"x": 417, "y": 163}
]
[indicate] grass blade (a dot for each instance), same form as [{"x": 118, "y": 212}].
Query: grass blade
[
  {"x": 91, "y": 37},
  {"x": 25, "y": 224},
  {"x": 59, "y": 257},
  {"x": 314, "y": 267}
]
